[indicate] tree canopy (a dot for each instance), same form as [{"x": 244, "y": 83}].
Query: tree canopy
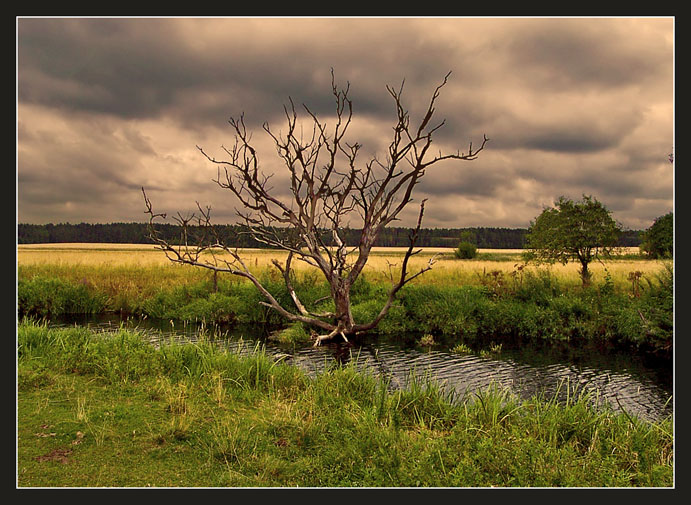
[
  {"x": 391, "y": 236},
  {"x": 573, "y": 231},
  {"x": 658, "y": 240}
]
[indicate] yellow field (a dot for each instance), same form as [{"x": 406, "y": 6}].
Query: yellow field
[{"x": 141, "y": 261}]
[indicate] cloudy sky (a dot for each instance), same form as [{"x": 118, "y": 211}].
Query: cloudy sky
[{"x": 572, "y": 106}]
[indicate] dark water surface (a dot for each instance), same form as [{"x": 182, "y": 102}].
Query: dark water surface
[{"x": 641, "y": 387}]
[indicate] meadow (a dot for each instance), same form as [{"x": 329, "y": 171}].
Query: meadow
[
  {"x": 494, "y": 295},
  {"x": 128, "y": 262},
  {"x": 90, "y": 408}
]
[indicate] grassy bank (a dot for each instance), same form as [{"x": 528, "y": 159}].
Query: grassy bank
[
  {"x": 630, "y": 303},
  {"x": 112, "y": 410}
]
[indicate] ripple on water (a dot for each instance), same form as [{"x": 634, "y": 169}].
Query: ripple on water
[{"x": 631, "y": 387}]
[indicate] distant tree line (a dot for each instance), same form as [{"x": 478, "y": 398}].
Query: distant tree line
[{"x": 137, "y": 233}]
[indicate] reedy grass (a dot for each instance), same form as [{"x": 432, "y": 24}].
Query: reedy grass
[
  {"x": 198, "y": 415},
  {"x": 467, "y": 300},
  {"x": 536, "y": 307}
]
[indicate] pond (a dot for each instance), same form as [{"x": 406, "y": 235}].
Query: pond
[{"x": 640, "y": 386}]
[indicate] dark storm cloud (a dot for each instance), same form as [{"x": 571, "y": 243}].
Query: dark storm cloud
[
  {"x": 561, "y": 138},
  {"x": 106, "y": 106},
  {"x": 476, "y": 181},
  {"x": 117, "y": 67},
  {"x": 562, "y": 53},
  {"x": 142, "y": 68}
]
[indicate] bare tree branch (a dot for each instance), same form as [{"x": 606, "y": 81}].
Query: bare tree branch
[{"x": 327, "y": 185}]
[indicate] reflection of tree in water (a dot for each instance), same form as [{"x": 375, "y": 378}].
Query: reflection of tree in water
[{"x": 341, "y": 352}]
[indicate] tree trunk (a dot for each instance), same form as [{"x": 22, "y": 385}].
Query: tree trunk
[
  {"x": 585, "y": 274},
  {"x": 344, "y": 316}
]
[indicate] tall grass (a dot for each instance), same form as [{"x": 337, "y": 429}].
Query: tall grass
[
  {"x": 140, "y": 264},
  {"x": 120, "y": 412},
  {"x": 629, "y": 302},
  {"x": 54, "y": 295}
]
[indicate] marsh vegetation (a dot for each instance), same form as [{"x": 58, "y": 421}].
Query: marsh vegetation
[
  {"x": 198, "y": 415},
  {"x": 495, "y": 295},
  {"x": 91, "y": 408}
]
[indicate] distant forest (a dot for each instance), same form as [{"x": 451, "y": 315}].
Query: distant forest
[{"x": 234, "y": 235}]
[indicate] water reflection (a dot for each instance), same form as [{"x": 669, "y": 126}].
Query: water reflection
[{"x": 620, "y": 380}]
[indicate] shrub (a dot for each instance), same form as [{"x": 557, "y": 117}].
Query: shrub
[
  {"x": 442, "y": 310},
  {"x": 538, "y": 288},
  {"x": 466, "y": 251}
]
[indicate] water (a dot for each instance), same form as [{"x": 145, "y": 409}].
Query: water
[{"x": 641, "y": 387}]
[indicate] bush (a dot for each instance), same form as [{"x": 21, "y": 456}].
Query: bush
[
  {"x": 537, "y": 307},
  {"x": 466, "y": 251},
  {"x": 396, "y": 320},
  {"x": 442, "y": 310},
  {"x": 238, "y": 302}
]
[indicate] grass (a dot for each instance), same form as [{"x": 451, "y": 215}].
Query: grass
[
  {"x": 462, "y": 299},
  {"x": 130, "y": 272},
  {"x": 137, "y": 266},
  {"x": 110, "y": 410}
]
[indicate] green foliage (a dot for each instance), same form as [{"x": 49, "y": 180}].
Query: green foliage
[
  {"x": 233, "y": 236},
  {"x": 468, "y": 236},
  {"x": 658, "y": 240},
  {"x": 53, "y": 296},
  {"x": 391, "y": 236},
  {"x": 657, "y": 311},
  {"x": 196, "y": 415},
  {"x": 122, "y": 356},
  {"x": 395, "y": 322},
  {"x": 293, "y": 333},
  {"x": 573, "y": 231},
  {"x": 526, "y": 306},
  {"x": 465, "y": 251},
  {"x": 467, "y": 248},
  {"x": 232, "y": 303},
  {"x": 538, "y": 288}
]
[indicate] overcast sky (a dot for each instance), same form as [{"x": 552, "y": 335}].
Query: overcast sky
[{"x": 572, "y": 106}]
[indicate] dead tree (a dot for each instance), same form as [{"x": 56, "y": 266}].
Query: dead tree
[{"x": 327, "y": 188}]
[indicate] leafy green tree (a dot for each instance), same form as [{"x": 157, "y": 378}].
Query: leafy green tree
[
  {"x": 466, "y": 249},
  {"x": 658, "y": 240},
  {"x": 573, "y": 231}
]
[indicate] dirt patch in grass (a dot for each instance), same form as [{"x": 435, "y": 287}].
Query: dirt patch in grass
[{"x": 60, "y": 455}]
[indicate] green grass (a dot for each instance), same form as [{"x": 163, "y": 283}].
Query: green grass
[
  {"x": 527, "y": 307},
  {"x": 110, "y": 410}
]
